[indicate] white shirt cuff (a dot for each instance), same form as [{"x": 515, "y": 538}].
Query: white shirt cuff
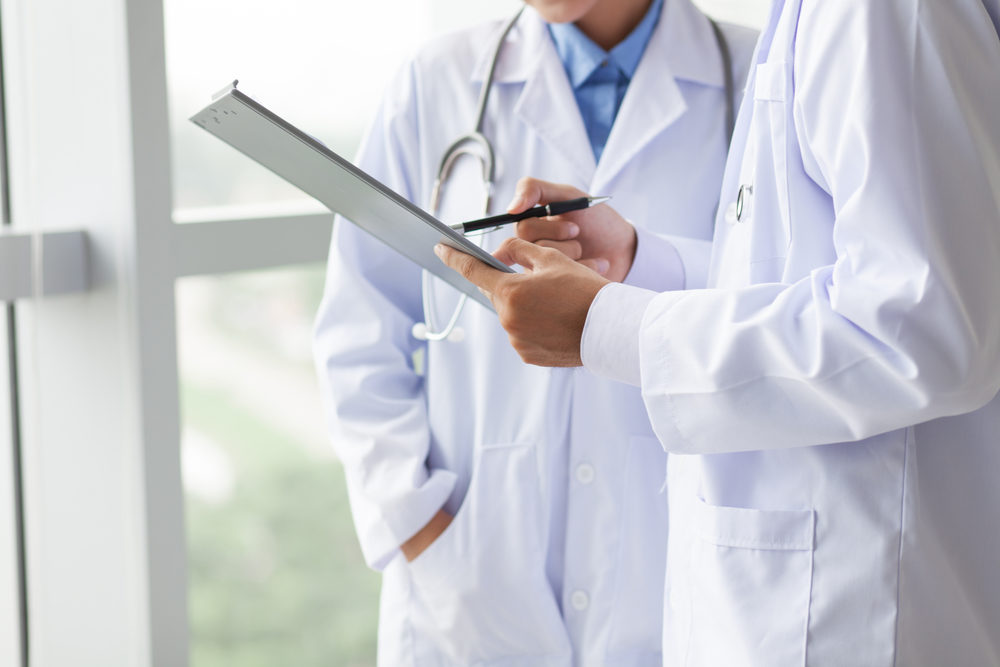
[
  {"x": 609, "y": 346},
  {"x": 657, "y": 266}
]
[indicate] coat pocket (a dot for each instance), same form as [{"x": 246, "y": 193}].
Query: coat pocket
[
  {"x": 481, "y": 594},
  {"x": 751, "y": 576}
]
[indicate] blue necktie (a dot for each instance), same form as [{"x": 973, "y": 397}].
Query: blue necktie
[{"x": 599, "y": 98}]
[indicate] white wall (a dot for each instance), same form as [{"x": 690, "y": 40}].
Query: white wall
[{"x": 747, "y": 12}]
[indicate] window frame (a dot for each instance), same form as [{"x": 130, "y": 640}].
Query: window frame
[
  {"x": 107, "y": 433},
  {"x": 13, "y": 608},
  {"x": 12, "y": 576}
]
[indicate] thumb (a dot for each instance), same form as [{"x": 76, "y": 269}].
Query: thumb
[
  {"x": 519, "y": 251},
  {"x": 476, "y": 272},
  {"x": 532, "y": 191}
]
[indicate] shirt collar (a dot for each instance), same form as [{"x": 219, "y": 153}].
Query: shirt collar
[{"x": 581, "y": 56}]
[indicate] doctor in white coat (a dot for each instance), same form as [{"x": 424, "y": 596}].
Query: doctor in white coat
[
  {"x": 833, "y": 395},
  {"x": 555, "y": 553}
]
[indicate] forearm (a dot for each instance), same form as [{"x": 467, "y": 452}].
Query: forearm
[{"x": 424, "y": 537}]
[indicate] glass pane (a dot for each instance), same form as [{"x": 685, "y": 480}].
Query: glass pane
[
  {"x": 322, "y": 64},
  {"x": 276, "y": 574}
]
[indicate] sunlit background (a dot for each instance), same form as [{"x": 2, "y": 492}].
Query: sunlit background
[{"x": 276, "y": 575}]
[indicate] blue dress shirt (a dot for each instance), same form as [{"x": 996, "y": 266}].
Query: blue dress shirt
[{"x": 600, "y": 78}]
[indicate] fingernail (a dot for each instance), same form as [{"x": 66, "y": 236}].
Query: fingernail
[
  {"x": 516, "y": 202},
  {"x": 574, "y": 229},
  {"x": 603, "y": 266},
  {"x": 439, "y": 250}
]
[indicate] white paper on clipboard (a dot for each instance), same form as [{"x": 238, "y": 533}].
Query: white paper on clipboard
[{"x": 264, "y": 137}]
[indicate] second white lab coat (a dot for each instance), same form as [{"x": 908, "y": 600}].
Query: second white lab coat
[
  {"x": 555, "y": 555},
  {"x": 831, "y": 401}
]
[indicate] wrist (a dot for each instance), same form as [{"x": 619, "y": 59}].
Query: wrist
[
  {"x": 426, "y": 536},
  {"x": 622, "y": 264}
]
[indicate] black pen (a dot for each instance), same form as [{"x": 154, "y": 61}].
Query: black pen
[{"x": 552, "y": 208}]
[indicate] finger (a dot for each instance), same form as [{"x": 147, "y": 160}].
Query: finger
[
  {"x": 528, "y": 255},
  {"x": 488, "y": 295},
  {"x": 554, "y": 229},
  {"x": 597, "y": 265},
  {"x": 571, "y": 249},
  {"x": 532, "y": 191},
  {"x": 483, "y": 276}
]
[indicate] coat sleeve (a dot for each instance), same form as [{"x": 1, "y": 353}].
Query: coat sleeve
[
  {"x": 668, "y": 262},
  {"x": 373, "y": 396},
  {"x": 896, "y": 107}
]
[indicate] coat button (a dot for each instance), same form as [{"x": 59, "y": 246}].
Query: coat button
[
  {"x": 585, "y": 473},
  {"x": 579, "y": 600}
]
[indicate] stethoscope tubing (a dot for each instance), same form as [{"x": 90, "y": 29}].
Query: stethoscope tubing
[{"x": 429, "y": 330}]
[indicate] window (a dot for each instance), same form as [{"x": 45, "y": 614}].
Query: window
[
  {"x": 322, "y": 64},
  {"x": 276, "y": 575},
  {"x": 112, "y": 379}
]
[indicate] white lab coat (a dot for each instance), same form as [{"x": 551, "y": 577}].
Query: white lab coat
[
  {"x": 555, "y": 555},
  {"x": 838, "y": 385}
]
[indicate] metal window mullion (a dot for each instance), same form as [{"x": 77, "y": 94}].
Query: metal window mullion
[
  {"x": 253, "y": 244},
  {"x": 155, "y": 336}
]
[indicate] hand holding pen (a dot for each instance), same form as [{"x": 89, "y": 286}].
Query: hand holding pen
[
  {"x": 596, "y": 236},
  {"x": 539, "y": 211}
]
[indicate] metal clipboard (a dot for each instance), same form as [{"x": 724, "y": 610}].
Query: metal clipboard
[{"x": 279, "y": 146}]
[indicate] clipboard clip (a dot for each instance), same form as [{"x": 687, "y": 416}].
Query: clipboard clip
[{"x": 225, "y": 91}]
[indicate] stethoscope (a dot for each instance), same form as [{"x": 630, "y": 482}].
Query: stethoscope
[{"x": 475, "y": 144}]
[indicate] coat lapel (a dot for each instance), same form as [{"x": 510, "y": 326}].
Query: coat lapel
[
  {"x": 682, "y": 48},
  {"x": 546, "y": 104}
]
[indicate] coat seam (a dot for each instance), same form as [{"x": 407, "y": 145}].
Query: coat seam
[{"x": 899, "y": 554}]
